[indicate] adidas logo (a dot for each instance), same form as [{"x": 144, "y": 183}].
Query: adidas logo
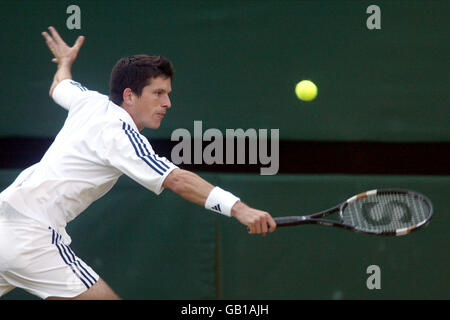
[{"x": 217, "y": 208}]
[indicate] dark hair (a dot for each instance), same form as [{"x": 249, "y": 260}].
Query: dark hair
[{"x": 135, "y": 72}]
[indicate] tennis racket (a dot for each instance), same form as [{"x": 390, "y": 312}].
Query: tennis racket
[{"x": 389, "y": 212}]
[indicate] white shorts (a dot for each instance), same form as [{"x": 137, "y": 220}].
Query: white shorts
[{"x": 33, "y": 257}]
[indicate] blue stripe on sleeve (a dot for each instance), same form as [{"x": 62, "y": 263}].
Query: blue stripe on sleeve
[
  {"x": 144, "y": 158},
  {"x": 148, "y": 154}
]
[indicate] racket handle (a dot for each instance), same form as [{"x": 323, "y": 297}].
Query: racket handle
[{"x": 289, "y": 221}]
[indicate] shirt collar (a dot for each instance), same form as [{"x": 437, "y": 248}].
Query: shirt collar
[{"x": 123, "y": 114}]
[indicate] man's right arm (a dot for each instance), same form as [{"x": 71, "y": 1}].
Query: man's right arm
[
  {"x": 64, "y": 56},
  {"x": 195, "y": 189}
]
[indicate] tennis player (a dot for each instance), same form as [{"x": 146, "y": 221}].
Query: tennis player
[{"x": 100, "y": 141}]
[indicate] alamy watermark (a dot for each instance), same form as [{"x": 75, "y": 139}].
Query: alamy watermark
[
  {"x": 74, "y": 20},
  {"x": 221, "y": 147},
  {"x": 373, "y": 22},
  {"x": 374, "y": 280}
]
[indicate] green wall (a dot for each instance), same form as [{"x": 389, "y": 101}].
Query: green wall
[
  {"x": 237, "y": 64},
  {"x": 149, "y": 247},
  {"x": 315, "y": 262}
]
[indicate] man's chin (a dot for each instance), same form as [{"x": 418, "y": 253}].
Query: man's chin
[{"x": 154, "y": 126}]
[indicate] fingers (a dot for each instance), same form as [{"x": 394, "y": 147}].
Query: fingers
[
  {"x": 56, "y": 37},
  {"x": 53, "y": 39},
  {"x": 79, "y": 42},
  {"x": 48, "y": 39},
  {"x": 51, "y": 43},
  {"x": 256, "y": 221},
  {"x": 262, "y": 224},
  {"x": 46, "y": 36},
  {"x": 272, "y": 225},
  {"x": 61, "y": 51}
]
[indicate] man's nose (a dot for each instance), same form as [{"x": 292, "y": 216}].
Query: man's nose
[{"x": 167, "y": 103}]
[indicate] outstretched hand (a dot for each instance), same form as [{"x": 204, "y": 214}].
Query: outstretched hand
[{"x": 63, "y": 54}]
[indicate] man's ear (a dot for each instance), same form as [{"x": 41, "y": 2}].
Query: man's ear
[{"x": 128, "y": 96}]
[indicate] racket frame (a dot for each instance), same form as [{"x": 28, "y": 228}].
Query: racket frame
[{"x": 316, "y": 217}]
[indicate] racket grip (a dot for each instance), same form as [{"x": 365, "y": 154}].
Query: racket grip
[{"x": 288, "y": 221}]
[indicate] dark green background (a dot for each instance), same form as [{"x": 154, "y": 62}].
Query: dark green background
[
  {"x": 149, "y": 247},
  {"x": 237, "y": 64}
]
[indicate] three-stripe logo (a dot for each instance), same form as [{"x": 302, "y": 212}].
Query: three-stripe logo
[
  {"x": 76, "y": 84},
  {"x": 72, "y": 261},
  {"x": 142, "y": 151}
]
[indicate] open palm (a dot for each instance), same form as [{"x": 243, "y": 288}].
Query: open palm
[{"x": 62, "y": 52}]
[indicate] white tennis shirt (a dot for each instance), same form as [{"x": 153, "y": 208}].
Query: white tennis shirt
[{"x": 97, "y": 144}]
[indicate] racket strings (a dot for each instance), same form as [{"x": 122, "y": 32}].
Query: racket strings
[{"x": 386, "y": 212}]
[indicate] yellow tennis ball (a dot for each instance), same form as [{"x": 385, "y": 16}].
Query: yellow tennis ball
[{"x": 306, "y": 90}]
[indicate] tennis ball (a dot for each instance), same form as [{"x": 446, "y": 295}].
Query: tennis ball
[{"x": 306, "y": 90}]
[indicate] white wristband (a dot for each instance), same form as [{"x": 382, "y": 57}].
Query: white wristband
[{"x": 220, "y": 201}]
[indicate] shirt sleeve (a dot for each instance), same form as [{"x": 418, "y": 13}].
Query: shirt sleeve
[
  {"x": 131, "y": 153},
  {"x": 68, "y": 92}
]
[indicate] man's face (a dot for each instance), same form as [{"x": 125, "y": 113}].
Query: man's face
[{"x": 153, "y": 103}]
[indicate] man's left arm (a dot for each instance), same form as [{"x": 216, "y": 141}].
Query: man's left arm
[{"x": 64, "y": 56}]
